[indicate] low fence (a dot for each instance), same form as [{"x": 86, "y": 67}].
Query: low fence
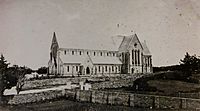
[
  {"x": 195, "y": 95},
  {"x": 111, "y": 98}
]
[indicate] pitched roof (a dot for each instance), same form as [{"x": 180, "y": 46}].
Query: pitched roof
[
  {"x": 145, "y": 49},
  {"x": 90, "y": 44},
  {"x": 78, "y": 59},
  {"x": 72, "y": 59},
  {"x": 105, "y": 60},
  {"x": 115, "y": 43},
  {"x": 110, "y": 44},
  {"x": 133, "y": 40},
  {"x": 128, "y": 42},
  {"x": 125, "y": 43}
]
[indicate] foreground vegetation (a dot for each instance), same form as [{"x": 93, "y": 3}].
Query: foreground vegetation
[
  {"x": 14, "y": 76},
  {"x": 189, "y": 65},
  {"x": 172, "y": 80},
  {"x": 66, "y": 105}
]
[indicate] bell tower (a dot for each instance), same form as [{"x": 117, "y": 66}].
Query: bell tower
[{"x": 53, "y": 54}]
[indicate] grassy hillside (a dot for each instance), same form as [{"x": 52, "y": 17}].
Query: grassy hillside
[{"x": 169, "y": 83}]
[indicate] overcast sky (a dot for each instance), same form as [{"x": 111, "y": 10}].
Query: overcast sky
[{"x": 170, "y": 27}]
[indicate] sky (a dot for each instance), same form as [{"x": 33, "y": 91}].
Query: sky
[{"x": 170, "y": 27}]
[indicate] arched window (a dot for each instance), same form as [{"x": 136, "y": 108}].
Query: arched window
[
  {"x": 99, "y": 68},
  {"x": 138, "y": 57},
  {"x": 87, "y": 70},
  {"x": 67, "y": 68},
  {"x": 132, "y": 70},
  {"x": 133, "y": 57}
]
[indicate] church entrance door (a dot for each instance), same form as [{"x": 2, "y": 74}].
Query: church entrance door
[
  {"x": 132, "y": 70},
  {"x": 87, "y": 70}
]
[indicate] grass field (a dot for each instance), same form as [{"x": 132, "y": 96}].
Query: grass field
[
  {"x": 166, "y": 84},
  {"x": 66, "y": 105},
  {"x": 173, "y": 86}
]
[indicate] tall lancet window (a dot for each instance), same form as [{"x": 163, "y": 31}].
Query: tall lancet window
[
  {"x": 138, "y": 57},
  {"x": 67, "y": 68},
  {"x": 135, "y": 57},
  {"x": 132, "y": 56}
]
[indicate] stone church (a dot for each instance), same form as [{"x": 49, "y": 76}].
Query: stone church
[{"x": 126, "y": 55}]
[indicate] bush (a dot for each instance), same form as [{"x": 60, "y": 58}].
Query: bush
[{"x": 42, "y": 70}]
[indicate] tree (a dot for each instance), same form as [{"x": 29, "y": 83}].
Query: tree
[
  {"x": 20, "y": 79},
  {"x": 190, "y": 64},
  {"x": 3, "y": 79},
  {"x": 42, "y": 70},
  {"x": 15, "y": 73},
  {"x": 11, "y": 76}
]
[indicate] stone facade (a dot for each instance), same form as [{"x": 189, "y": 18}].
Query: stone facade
[{"x": 127, "y": 56}]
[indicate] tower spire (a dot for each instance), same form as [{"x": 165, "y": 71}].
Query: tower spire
[
  {"x": 54, "y": 41},
  {"x": 54, "y": 49}
]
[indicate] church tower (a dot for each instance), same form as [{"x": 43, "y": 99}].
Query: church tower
[{"x": 53, "y": 63}]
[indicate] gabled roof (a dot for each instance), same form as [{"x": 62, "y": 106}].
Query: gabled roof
[
  {"x": 145, "y": 49},
  {"x": 128, "y": 42},
  {"x": 125, "y": 43},
  {"x": 78, "y": 59},
  {"x": 133, "y": 41}
]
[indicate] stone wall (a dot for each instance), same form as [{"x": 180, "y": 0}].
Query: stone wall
[
  {"x": 124, "y": 80},
  {"x": 36, "y": 97},
  {"x": 112, "y": 98},
  {"x": 116, "y": 98},
  {"x": 100, "y": 97},
  {"x": 168, "y": 102},
  {"x": 50, "y": 82},
  {"x": 140, "y": 100},
  {"x": 97, "y": 82}
]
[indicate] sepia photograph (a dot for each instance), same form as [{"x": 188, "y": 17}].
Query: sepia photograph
[{"x": 99, "y": 55}]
